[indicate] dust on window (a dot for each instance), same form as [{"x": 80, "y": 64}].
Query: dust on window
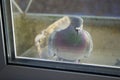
[{"x": 50, "y": 31}]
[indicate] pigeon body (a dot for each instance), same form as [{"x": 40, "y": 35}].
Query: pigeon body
[{"x": 71, "y": 43}]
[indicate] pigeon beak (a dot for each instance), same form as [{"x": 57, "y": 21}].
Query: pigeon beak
[{"x": 79, "y": 28}]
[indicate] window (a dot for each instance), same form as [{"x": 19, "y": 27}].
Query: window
[{"x": 77, "y": 36}]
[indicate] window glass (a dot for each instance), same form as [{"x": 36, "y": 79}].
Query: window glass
[{"x": 75, "y": 31}]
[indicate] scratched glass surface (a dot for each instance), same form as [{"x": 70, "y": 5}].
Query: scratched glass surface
[{"x": 81, "y": 31}]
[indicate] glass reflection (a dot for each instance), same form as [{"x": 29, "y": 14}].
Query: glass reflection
[{"x": 68, "y": 33}]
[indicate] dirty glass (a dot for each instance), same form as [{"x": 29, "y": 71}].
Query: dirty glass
[{"x": 75, "y": 31}]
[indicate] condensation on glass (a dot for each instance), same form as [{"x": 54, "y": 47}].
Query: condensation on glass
[{"x": 81, "y": 31}]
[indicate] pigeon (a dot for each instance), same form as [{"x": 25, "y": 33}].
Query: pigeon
[{"x": 71, "y": 43}]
